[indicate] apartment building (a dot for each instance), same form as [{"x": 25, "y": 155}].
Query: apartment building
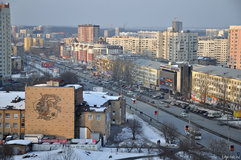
[
  {"x": 235, "y": 47},
  {"x": 179, "y": 46},
  {"x": 12, "y": 114},
  {"x": 5, "y": 42},
  {"x": 144, "y": 45},
  {"x": 216, "y": 48},
  {"x": 29, "y": 42},
  {"x": 101, "y": 110},
  {"x": 88, "y": 33},
  {"x": 216, "y": 85}
]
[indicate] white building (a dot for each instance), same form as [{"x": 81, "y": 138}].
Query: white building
[
  {"x": 179, "y": 46},
  {"x": 5, "y": 41}
]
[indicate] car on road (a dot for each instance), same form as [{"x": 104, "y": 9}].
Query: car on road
[{"x": 183, "y": 114}]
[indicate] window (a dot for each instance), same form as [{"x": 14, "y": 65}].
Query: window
[
  {"x": 90, "y": 117},
  {"x": 7, "y": 125},
  {"x": 22, "y": 115},
  {"x": 113, "y": 120},
  {"x": 113, "y": 113},
  {"x": 22, "y": 125},
  {"x": 15, "y": 115},
  {"x": 0, "y": 115},
  {"x": 7, "y": 115},
  {"x": 0, "y": 125},
  {"x": 98, "y": 117},
  {"x": 15, "y": 125}
]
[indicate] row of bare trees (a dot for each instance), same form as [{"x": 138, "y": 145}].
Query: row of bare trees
[{"x": 122, "y": 70}]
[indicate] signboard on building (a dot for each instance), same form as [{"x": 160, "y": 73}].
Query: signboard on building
[
  {"x": 83, "y": 141},
  {"x": 237, "y": 113},
  {"x": 47, "y": 64},
  {"x": 54, "y": 140},
  {"x": 98, "y": 89}
]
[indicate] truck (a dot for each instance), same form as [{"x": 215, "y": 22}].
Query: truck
[{"x": 35, "y": 138}]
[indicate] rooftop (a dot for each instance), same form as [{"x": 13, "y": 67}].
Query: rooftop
[
  {"x": 149, "y": 63},
  {"x": 12, "y": 100},
  {"x": 96, "y": 100},
  {"x": 219, "y": 71}
]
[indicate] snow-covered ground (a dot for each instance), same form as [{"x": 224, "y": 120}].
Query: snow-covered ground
[{"x": 148, "y": 135}]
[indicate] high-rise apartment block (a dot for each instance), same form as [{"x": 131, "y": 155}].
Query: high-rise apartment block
[
  {"x": 235, "y": 47},
  {"x": 215, "y": 48},
  {"x": 5, "y": 41},
  {"x": 177, "y": 26},
  {"x": 179, "y": 46},
  {"x": 88, "y": 33},
  {"x": 117, "y": 31},
  {"x": 29, "y": 42}
]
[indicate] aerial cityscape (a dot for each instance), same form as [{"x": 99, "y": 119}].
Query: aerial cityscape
[{"x": 99, "y": 80}]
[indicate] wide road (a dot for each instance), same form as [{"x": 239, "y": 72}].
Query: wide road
[{"x": 212, "y": 130}]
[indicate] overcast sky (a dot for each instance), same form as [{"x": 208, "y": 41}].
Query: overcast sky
[{"x": 128, "y": 13}]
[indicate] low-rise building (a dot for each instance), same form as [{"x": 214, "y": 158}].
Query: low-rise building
[
  {"x": 12, "y": 114},
  {"x": 216, "y": 85}
]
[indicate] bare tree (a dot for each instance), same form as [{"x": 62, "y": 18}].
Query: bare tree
[
  {"x": 169, "y": 132},
  {"x": 122, "y": 70},
  {"x": 69, "y": 154},
  {"x": 69, "y": 77},
  {"x": 6, "y": 152},
  {"x": 135, "y": 127},
  {"x": 219, "y": 147}
]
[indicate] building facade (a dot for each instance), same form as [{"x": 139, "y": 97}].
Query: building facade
[
  {"x": 235, "y": 47},
  {"x": 12, "y": 114},
  {"x": 5, "y": 41},
  {"x": 144, "y": 45},
  {"x": 216, "y": 48},
  {"x": 50, "y": 109},
  {"x": 217, "y": 85},
  {"x": 88, "y": 33},
  {"x": 179, "y": 46}
]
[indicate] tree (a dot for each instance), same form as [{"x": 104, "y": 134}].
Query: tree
[
  {"x": 169, "y": 132},
  {"x": 6, "y": 152},
  {"x": 36, "y": 79},
  {"x": 69, "y": 77},
  {"x": 219, "y": 147},
  {"x": 122, "y": 70},
  {"x": 135, "y": 127}
]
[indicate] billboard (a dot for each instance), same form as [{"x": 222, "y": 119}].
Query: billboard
[
  {"x": 54, "y": 140},
  {"x": 237, "y": 113},
  {"x": 47, "y": 64}
]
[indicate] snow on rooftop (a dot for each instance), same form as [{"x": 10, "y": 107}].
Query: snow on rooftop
[
  {"x": 98, "y": 99},
  {"x": 41, "y": 85},
  {"x": 6, "y": 99},
  {"x": 20, "y": 142},
  {"x": 76, "y": 86}
]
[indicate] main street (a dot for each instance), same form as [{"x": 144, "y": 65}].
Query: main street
[{"x": 210, "y": 128}]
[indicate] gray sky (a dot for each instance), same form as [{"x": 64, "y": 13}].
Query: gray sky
[{"x": 128, "y": 13}]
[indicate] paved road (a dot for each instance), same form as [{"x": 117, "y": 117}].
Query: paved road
[{"x": 162, "y": 116}]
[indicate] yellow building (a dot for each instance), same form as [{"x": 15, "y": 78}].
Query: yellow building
[
  {"x": 216, "y": 85},
  {"x": 101, "y": 111},
  {"x": 12, "y": 114},
  {"x": 144, "y": 45},
  {"x": 29, "y": 42}
]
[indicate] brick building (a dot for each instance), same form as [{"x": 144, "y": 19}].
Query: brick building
[{"x": 12, "y": 109}]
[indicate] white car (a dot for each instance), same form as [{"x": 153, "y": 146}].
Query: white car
[{"x": 183, "y": 114}]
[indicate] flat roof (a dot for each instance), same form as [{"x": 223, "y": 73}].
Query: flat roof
[{"x": 219, "y": 71}]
